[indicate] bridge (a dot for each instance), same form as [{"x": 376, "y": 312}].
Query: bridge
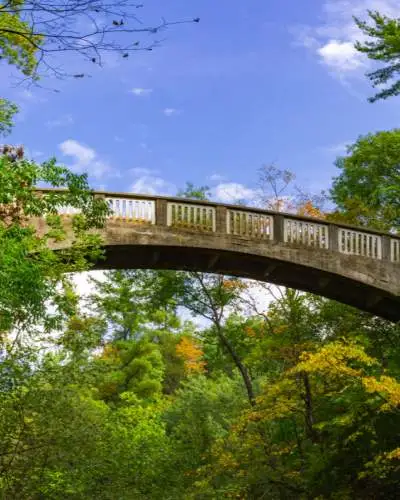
[{"x": 353, "y": 265}]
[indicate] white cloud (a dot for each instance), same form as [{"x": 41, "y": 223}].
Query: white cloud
[
  {"x": 86, "y": 159},
  {"x": 34, "y": 154},
  {"x": 341, "y": 56},
  {"x": 140, "y": 92},
  {"x": 28, "y": 95},
  {"x": 148, "y": 184},
  {"x": 171, "y": 111},
  {"x": 63, "y": 121},
  {"x": 332, "y": 41},
  {"x": 83, "y": 154},
  {"x": 231, "y": 192},
  {"x": 142, "y": 171},
  {"x": 216, "y": 178}
]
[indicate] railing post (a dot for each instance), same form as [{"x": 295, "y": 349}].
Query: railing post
[
  {"x": 333, "y": 238},
  {"x": 279, "y": 228},
  {"x": 220, "y": 215},
  {"x": 385, "y": 247},
  {"x": 161, "y": 212}
]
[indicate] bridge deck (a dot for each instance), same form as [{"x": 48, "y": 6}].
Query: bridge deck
[{"x": 353, "y": 265}]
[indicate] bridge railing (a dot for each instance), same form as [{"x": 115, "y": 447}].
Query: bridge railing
[
  {"x": 134, "y": 210},
  {"x": 395, "y": 250},
  {"x": 250, "y": 223},
  {"x": 191, "y": 216},
  {"x": 360, "y": 243},
  {"x": 309, "y": 234}
]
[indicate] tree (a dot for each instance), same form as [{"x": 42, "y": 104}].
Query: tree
[
  {"x": 194, "y": 192},
  {"x": 274, "y": 184},
  {"x": 7, "y": 112},
  {"x": 190, "y": 351},
  {"x": 383, "y": 45},
  {"x": 32, "y": 31},
  {"x": 31, "y": 274},
  {"x": 322, "y": 425},
  {"x": 367, "y": 190},
  {"x": 209, "y": 296}
]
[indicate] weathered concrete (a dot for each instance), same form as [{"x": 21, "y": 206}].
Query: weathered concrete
[
  {"x": 356, "y": 266},
  {"x": 368, "y": 284}
]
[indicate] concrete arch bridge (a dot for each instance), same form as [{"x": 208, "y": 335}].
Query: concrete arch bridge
[{"x": 355, "y": 266}]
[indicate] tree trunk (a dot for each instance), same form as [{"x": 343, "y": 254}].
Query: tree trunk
[
  {"x": 309, "y": 418},
  {"x": 238, "y": 362}
]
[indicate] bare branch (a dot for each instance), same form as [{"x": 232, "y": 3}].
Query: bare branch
[{"x": 88, "y": 28}]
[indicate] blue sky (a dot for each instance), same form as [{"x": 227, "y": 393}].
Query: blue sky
[{"x": 254, "y": 82}]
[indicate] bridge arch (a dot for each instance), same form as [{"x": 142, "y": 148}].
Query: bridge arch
[{"x": 355, "y": 266}]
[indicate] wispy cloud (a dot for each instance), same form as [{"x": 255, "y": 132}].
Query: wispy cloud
[
  {"x": 338, "y": 149},
  {"x": 233, "y": 192},
  {"x": 145, "y": 147},
  {"x": 332, "y": 41},
  {"x": 216, "y": 178},
  {"x": 171, "y": 111},
  {"x": 140, "y": 171},
  {"x": 63, "y": 121},
  {"x": 86, "y": 159},
  {"x": 148, "y": 184},
  {"x": 140, "y": 92},
  {"x": 29, "y": 96}
]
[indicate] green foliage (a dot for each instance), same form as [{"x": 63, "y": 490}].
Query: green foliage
[
  {"x": 125, "y": 399},
  {"x": 382, "y": 44},
  {"x": 31, "y": 274},
  {"x": 7, "y": 112},
  {"x": 195, "y": 192},
  {"x": 130, "y": 367},
  {"x": 367, "y": 190},
  {"x": 18, "y": 42}
]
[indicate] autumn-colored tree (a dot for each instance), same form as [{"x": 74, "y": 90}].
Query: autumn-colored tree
[
  {"x": 309, "y": 210},
  {"x": 191, "y": 353}
]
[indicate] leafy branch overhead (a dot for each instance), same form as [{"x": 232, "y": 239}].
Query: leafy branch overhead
[
  {"x": 32, "y": 31},
  {"x": 382, "y": 45}
]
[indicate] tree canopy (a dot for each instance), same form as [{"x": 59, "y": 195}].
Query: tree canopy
[
  {"x": 367, "y": 189},
  {"x": 382, "y": 44},
  {"x": 181, "y": 385}
]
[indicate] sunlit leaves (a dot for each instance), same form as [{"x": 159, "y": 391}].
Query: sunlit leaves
[
  {"x": 31, "y": 273},
  {"x": 382, "y": 44},
  {"x": 7, "y": 112},
  {"x": 18, "y": 42},
  {"x": 191, "y": 353},
  {"x": 367, "y": 190}
]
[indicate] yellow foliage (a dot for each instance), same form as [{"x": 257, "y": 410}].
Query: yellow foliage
[
  {"x": 280, "y": 329},
  {"x": 393, "y": 455},
  {"x": 333, "y": 360},
  {"x": 386, "y": 385},
  {"x": 188, "y": 350},
  {"x": 308, "y": 210},
  {"x": 250, "y": 331},
  {"x": 234, "y": 285},
  {"x": 109, "y": 353},
  {"x": 382, "y": 465},
  {"x": 278, "y": 401}
]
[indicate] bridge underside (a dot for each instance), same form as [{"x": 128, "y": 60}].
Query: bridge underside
[{"x": 259, "y": 267}]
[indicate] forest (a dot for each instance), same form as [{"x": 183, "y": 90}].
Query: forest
[{"x": 184, "y": 385}]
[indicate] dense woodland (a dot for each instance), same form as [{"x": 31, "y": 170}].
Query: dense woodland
[{"x": 176, "y": 385}]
